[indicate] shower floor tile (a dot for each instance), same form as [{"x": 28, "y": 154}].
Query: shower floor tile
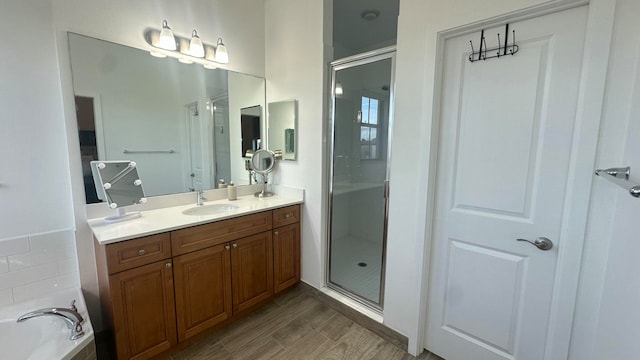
[{"x": 348, "y": 254}]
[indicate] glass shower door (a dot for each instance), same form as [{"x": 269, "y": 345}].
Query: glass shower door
[{"x": 358, "y": 187}]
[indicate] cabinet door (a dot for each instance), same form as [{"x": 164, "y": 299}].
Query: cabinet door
[
  {"x": 252, "y": 270},
  {"x": 286, "y": 257},
  {"x": 143, "y": 310},
  {"x": 203, "y": 289}
]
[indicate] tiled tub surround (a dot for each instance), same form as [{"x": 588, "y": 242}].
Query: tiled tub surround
[{"x": 34, "y": 265}]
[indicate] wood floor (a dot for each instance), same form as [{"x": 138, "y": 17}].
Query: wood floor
[{"x": 295, "y": 326}]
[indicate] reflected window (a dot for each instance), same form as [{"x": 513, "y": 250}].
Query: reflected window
[{"x": 368, "y": 119}]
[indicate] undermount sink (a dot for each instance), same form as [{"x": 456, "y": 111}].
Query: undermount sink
[{"x": 210, "y": 209}]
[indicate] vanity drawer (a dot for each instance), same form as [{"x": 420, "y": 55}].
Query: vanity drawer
[
  {"x": 137, "y": 252},
  {"x": 202, "y": 236},
  {"x": 285, "y": 216}
]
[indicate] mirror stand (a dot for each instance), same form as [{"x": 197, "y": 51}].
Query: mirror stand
[
  {"x": 122, "y": 215},
  {"x": 264, "y": 192},
  {"x": 262, "y": 163}
]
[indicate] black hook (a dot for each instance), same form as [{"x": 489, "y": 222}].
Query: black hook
[{"x": 484, "y": 44}]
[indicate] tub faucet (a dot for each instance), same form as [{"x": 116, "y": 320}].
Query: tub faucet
[{"x": 70, "y": 315}]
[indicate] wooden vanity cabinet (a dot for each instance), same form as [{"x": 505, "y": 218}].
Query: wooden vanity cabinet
[
  {"x": 138, "y": 301},
  {"x": 160, "y": 290},
  {"x": 286, "y": 247}
]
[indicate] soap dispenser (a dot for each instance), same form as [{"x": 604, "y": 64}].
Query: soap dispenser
[{"x": 232, "y": 192}]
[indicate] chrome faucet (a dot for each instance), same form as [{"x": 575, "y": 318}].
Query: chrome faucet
[
  {"x": 200, "y": 197},
  {"x": 70, "y": 315}
]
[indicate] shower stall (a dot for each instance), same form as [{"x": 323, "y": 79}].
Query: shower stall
[{"x": 360, "y": 128}]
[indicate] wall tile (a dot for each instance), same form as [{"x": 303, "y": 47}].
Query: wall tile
[
  {"x": 31, "y": 259},
  {"x": 42, "y": 287},
  {"x": 28, "y": 275},
  {"x": 4, "y": 265},
  {"x": 6, "y": 297},
  {"x": 68, "y": 265},
  {"x": 60, "y": 243},
  {"x": 34, "y": 265},
  {"x": 14, "y": 246}
]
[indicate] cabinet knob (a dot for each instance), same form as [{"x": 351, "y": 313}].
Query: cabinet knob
[
  {"x": 167, "y": 265},
  {"x": 141, "y": 252},
  {"x": 227, "y": 247},
  {"x": 287, "y": 216},
  {"x": 234, "y": 245},
  {"x": 275, "y": 233}
]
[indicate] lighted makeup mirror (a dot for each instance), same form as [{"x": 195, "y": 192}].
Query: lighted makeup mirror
[{"x": 118, "y": 183}]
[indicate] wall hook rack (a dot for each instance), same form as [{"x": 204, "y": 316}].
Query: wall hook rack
[
  {"x": 620, "y": 177},
  {"x": 501, "y": 50}
]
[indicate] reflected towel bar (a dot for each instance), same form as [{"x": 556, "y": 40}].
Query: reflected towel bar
[
  {"x": 620, "y": 177},
  {"x": 125, "y": 151}
]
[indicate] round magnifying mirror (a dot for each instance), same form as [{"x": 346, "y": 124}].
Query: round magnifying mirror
[{"x": 262, "y": 162}]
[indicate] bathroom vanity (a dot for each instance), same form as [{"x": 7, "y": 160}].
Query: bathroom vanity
[{"x": 167, "y": 277}]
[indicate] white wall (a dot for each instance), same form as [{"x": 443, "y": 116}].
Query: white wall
[
  {"x": 36, "y": 219},
  {"x": 34, "y": 191},
  {"x": 297, "y": 53}
]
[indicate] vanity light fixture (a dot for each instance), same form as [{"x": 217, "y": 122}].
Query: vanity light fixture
[
  {"x": 186, "y": 50},
  {"x": 339, "y": 90},
  {"x": 195, "y": 45}
]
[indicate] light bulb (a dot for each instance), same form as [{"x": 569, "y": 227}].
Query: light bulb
[
  {"x": 166, "y": 41},
  {"x": 195, "y": 46},
  {"x": 222, "y": 56}
]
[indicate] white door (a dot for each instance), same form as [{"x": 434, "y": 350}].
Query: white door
[
  {"x": 506, "y": 131},
  {"x": 196, "y": 146}
]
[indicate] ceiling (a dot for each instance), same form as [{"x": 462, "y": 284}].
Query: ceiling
[{"x": 352, "y": 34}]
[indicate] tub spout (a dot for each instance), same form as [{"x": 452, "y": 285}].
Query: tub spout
[{"x": 71, "y": 317}]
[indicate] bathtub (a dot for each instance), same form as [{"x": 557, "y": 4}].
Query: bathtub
[{"x": 45, "y": 337}]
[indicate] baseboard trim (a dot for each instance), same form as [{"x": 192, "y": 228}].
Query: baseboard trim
[{"x": 376, "y": 327}]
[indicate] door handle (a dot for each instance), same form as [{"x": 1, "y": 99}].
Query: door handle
[{"x": 541, "y": 243}]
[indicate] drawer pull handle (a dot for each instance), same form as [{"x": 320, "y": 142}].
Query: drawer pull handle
[
  {"x": 287, "y": 216},
  {"x": 235, "y": 246},
  {"x": 141, "y": 252},
  {"x": 227, "y": 247},
  {"x": 167, "y": 265},
  {"x": 275, "y": 233}
]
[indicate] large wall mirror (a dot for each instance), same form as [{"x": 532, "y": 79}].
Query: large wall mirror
[
  {"x": 282, "y": 129},
  {"x": 181, "y": 123}
]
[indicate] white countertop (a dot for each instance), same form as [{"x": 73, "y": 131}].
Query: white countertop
[{"x": 171, "y": 218}]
